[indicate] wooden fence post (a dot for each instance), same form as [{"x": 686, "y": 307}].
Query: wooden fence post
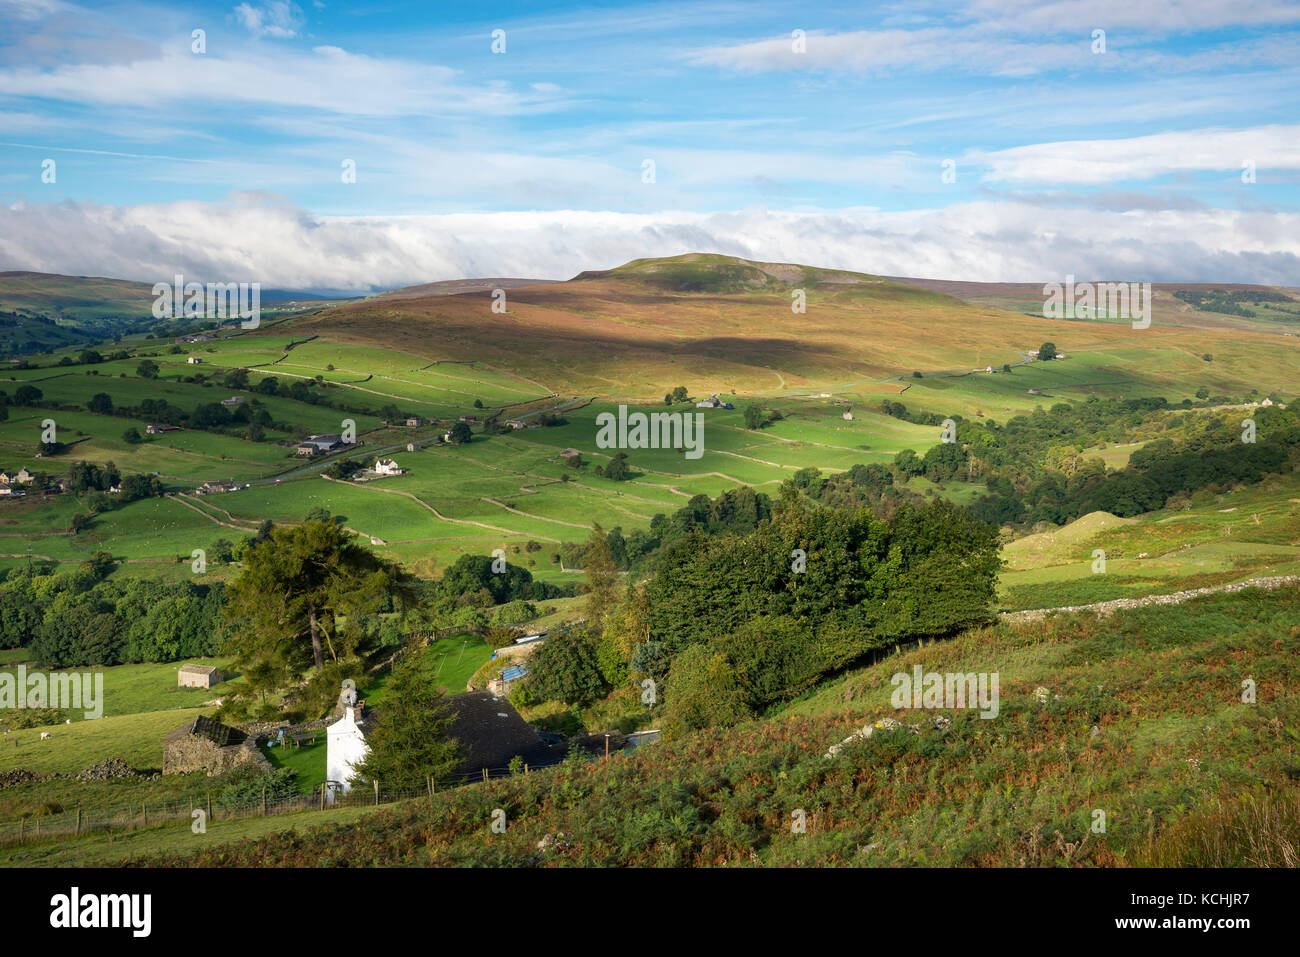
[
  {"x": 78, "y": 821},
  {"x": 209, "y": 805},
  {"x": 376, "y": 791}
]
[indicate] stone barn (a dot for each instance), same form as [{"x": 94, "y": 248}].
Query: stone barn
[
  {"x": 197, "y": 676},
  {"x": 208, "y": 745}
]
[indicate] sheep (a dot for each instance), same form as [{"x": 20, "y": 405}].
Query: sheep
[{"x": 44, "y": 735}]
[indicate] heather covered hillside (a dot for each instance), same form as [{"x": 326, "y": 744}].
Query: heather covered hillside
[{"x": 1138, "y": 716}]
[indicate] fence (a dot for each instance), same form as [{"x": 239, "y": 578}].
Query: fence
[{"x": 128, "y": 817}]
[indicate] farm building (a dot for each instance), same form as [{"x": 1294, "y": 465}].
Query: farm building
[
  {"x": 207, "y": 745},
  {"x": 489, "y": 729},
  {"x": 388, "y": 467},
  {"x": 413, "y": 422},
  {"x": 216, "y": 488},
  {"x": 233, "y": 400},
  {"x": 193, "y": 360},
  {"x": 197, "y": 676},
  {"x": 713, "y": 402},
  {"x": 325, "y": 442},
  {"x": 158, "y": 428}
]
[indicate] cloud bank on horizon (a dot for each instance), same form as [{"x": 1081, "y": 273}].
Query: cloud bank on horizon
[{"x": 321, "y": 146}]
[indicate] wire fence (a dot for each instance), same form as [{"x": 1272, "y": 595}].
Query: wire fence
[{"x": 217, "y": 806}]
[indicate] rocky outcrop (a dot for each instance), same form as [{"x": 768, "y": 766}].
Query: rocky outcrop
[{"x": 939, "y": 722}]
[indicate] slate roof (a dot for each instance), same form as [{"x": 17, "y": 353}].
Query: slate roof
[{"x": 490, "y": 732}]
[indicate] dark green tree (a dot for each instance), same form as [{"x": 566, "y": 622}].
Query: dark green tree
[
  {"x": 301, "y": 594},
  {"x": 410, "y": 741}
]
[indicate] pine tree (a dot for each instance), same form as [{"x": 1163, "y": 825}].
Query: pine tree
[{"x": 410, "y": 741}]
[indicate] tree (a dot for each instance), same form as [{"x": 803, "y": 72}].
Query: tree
[
  {"x": 702, "y": 693},
  {"x": 566, "y": 668},
  {"x": 1047, "y": 351},
  {"x": 101, "y": 403},
  {"x": 461, "y": 433},
  {"x": 616, "y": 470},
  {"x": 412, "y": 742},
  {"x": 602, "y": 575},
  {"x": 908, "y": 463},
  {"x": 302, "y": 593},
  {"x": 680, "y": 394},
  {"x": 28, "y": 395},
  {"x": 754, "y": 417},
  {"x": 147, "y": 369},
  {"x": 132, "y": 435},
  {"x": 478, "y": 403}
]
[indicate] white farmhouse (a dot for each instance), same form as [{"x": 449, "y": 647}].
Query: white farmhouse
[
  {"x": 345, "y": 748},
  {"x": 388, "y": 467}
]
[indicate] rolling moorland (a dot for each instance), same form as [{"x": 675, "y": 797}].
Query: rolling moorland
[{"x": 861, "y": 378}]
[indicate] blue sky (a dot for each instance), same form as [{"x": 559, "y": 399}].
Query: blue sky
[{"x": 535, "y": 158}]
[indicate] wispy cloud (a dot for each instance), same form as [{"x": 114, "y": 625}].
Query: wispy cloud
[
  {"x": 1143, "y": 157},
  {"x": 278, "y": 18}
]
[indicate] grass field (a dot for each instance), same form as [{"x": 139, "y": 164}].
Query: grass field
[
  {"x": 104, "y": 848},
  {"x": 133, "y": 689},
  {"x": 1217, "y": 539},
  {"x": 135, "y": 738}
]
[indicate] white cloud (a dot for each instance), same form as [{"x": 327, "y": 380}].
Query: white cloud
[
  {"x": 278, "y": 18},
  {"x": 1164, "y": 16},
  {"x": 327, "y": 78},
  {"x": 1143, "y": 157},
  {"x": 256, "y": 237},
  {"x": 883, "y": 51}
]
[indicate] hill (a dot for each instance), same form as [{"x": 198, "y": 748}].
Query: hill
[
  {"x": 725, "y": 324},
  {"x": 1188, "y": 305}
]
